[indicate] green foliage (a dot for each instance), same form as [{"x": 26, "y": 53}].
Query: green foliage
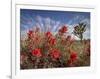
[{"x": 79, "y": 30}]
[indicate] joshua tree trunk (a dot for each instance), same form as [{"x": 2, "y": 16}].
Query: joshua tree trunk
[{"x": 81, "y": 37}]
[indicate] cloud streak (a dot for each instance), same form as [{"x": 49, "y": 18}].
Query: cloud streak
[{"x": 53, "y": 23}]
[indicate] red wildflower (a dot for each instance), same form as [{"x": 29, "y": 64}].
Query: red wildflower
[
  {"x": 55, "y": 54},
  {"x": 63, "y": 29},
  {"x": 37, "y": 52},
  {"x": 68, "y": 38},
  {"x": 52, "y": 41},
  {"x": 73, "y": 56},
  {"x": 48, "y": 34},
  {"x": 30, "y": 33}
]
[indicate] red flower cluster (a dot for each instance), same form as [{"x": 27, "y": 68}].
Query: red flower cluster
[
  {"x": 48, "y": 34},
  {"x": 63, "y": 29},
  {"x": 68, "y": 38},
  {"x": 37, "y": 52},
  {"x": 73, "y": 56},
  {"x": 50, "y": 50},
  {"x": 52, "y": 41},
  {"x": 55, "y": 54},
  {"x": 30, "y": 33}
]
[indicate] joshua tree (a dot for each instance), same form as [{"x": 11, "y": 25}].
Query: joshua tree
[{"x": 79, "y": 30}]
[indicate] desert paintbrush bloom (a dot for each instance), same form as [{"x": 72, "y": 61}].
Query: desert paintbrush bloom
[
  {"x": 63, "y": 29},
  {"x": 68, "y": 38},
  {"x": 48, "y": 34},
  {"x": 30, "y": 33},
  {"x": 73, "y": 56},
  {"x": 55, "y": 54},
  {"x": 37, "y": 52},
  {"x": 52, "y": 41}
]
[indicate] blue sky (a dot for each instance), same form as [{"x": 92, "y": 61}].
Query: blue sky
[{"x": 52, "y": 20}]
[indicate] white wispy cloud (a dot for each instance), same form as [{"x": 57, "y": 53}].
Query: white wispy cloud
[
  {"x": 48, "y": 24},
  {"x": 39, "y": 22},
  {"x": 56, "y": 26},
  {"x": 75, "y": 18}
]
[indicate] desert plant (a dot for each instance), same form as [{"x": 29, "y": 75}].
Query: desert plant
[
  {"x": 79, "y": 30},
  {"x": 47, "y": 50}
]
